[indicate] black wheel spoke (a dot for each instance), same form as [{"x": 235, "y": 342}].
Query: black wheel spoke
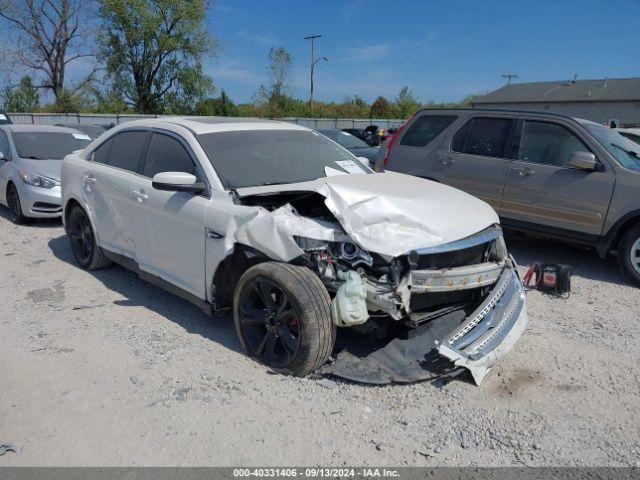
[
  {"x": 251, "y": 321},
  {"x": 288, "y": 340},
  {"x": 265, "y": 291},
  {"x": 263, "y": 343},
  {"x": 283, "y": 306}
]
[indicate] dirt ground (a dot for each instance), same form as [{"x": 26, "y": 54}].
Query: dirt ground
[{"x": 103, "y": 369}]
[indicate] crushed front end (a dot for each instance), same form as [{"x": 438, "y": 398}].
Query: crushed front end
[{"x": 459, "y": 305}]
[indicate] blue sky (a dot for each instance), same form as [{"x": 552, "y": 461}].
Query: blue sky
[{"x": 442, "y": 50}]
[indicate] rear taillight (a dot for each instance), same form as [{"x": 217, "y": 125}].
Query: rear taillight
[{"x": 392, "y": 141}]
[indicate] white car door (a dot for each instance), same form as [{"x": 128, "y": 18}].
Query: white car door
[
  {"x": 170, "y": 226},
  {"x": 106, "y": 186},
  {"x": 5, "y": 165}
]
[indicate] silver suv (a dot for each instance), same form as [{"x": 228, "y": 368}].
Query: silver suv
[{"x": 563, "y": 177}]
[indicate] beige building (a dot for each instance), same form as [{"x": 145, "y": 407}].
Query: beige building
[{"x": 603, "y": 101}]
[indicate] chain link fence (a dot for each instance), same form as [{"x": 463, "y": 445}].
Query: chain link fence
[{"x": 108, "y": 119}]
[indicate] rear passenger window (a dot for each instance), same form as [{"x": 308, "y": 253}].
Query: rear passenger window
[
  {"x": 167, "y": 154},
  {"x": 425, "y": 129},
  {"x": 101, "y": 154},
  {"x": 548, "y": 143},
  {"x": 483, "y": 136},
  {"x": 126, "y": 150}
]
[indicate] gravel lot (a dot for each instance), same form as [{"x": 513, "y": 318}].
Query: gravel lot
[{"x": 103, "y": 369}]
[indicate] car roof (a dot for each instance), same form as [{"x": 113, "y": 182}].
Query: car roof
[
  {"x": 203, "y": 125},
  {"x": 499, "y": 110},
  {"x": 25, "y": 127},
  {"x": 630, "y": 130}
]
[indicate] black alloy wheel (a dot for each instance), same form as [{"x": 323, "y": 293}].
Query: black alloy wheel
[{"x": 269, "y": 323}]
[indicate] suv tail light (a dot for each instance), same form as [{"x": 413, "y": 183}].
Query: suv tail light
[{"x": 394, "y": 137}]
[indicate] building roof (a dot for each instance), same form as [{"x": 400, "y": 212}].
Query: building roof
[{"x": 603, "y": 90}]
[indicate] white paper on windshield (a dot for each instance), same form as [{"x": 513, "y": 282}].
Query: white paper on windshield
[
  {"x": 3, "y": 116},
  {"x": 349, "y": 166},
  {"x": 330, "y": 172},
  {"x": 81, "y": 136}
]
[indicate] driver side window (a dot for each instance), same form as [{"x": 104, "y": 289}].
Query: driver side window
[
  {"x": 548, "y": 144},
  {"x": 166, "y": 154}
]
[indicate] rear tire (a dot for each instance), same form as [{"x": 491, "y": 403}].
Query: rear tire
[
  {"x": 86, "y": 251},
  {"x": 282, "y": 317},
  {"x": 629, "y": 254},
  {"x": 15, "y": 207}
]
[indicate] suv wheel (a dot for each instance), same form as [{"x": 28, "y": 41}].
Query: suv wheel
[
  {"x": 83, "y": 241},
  {"x": 282, "y": 317},
  {"x": 629, "y": 254},
  {"x": 15, "y": 208}
]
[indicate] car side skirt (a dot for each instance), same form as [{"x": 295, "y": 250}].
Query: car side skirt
[{"x": 133, "y": 266}]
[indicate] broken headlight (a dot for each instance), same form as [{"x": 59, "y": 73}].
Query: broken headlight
[{"x": 348, "y": 252}]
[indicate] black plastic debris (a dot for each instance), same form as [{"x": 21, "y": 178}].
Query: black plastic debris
[{"x": 408, "y": 358}]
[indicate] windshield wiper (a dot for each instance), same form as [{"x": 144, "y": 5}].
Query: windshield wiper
[
  {"x": 33, "y": 157},
  {"x": 633, "y": 153}
]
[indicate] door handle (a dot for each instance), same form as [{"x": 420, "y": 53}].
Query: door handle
[
  {"x": 525, "y": 172},
  {"x": 446, "y": 161},
  {"x": 140, "y": 195},
  {"x": 90, "y": 179}
]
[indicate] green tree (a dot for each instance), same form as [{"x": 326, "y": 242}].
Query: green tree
[
  {"x": 221, "y": 106},
  {"x": 406, "y": 103},
  {"x": 49, "y": 35},
  {"x": 23, "y": 97},
  {"x": 279, "y": 71},
  {"x": 68, "y": 102},
  {"x": 381, "y": 108},
  {"x": 153, "y": 51},
  {"x": 110, "y": 102}
]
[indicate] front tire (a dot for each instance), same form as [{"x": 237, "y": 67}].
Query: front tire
[
  {"x": 15, "y": 207},
  {"x": 282, "y": 316},
  {"x": 629, "y": 254},
  {"x": 86, "y": 251}
]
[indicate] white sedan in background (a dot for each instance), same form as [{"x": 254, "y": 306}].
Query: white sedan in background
[{"x": 30, "y": 164}]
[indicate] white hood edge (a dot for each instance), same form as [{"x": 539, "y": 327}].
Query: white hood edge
[{"x": 391, "y": 213}]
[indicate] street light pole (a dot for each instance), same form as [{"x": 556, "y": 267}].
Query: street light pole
[{"x": 313, "y": 64}]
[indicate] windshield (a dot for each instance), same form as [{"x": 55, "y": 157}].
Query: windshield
[
  {"x": 626, "y": 152},
  {"x": 344, "y": 139},
  {"x": 48, "y": 145},
  {"x": 251, "y": 158}
]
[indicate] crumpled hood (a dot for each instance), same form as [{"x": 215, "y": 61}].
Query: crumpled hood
[
  {"x": 391, "y": 213},
  {"x": 47, "y": 168}
]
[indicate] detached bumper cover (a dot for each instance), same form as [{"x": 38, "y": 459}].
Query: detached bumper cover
[
  {"x": 447, "y": 344},
  {"x": 491, "y": 330}
]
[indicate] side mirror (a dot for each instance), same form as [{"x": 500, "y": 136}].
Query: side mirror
[
  {"x": 177, "y": 182},
  {"x": 583, "y": 161}
]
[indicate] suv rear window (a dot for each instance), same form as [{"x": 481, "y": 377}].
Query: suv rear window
[
  {"x": 483, "y": 136},
  {"x": 425, "y": 129}
]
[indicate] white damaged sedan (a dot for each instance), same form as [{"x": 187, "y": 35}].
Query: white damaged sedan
[{"x": 299, "y": 238}]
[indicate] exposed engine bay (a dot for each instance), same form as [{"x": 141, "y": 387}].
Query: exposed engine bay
[{"x": 431, "y": 311}]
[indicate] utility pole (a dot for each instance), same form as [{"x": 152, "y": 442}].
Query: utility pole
[
  {"x": 509, "y": 76},
  {"x": 313, "y": 63}
]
